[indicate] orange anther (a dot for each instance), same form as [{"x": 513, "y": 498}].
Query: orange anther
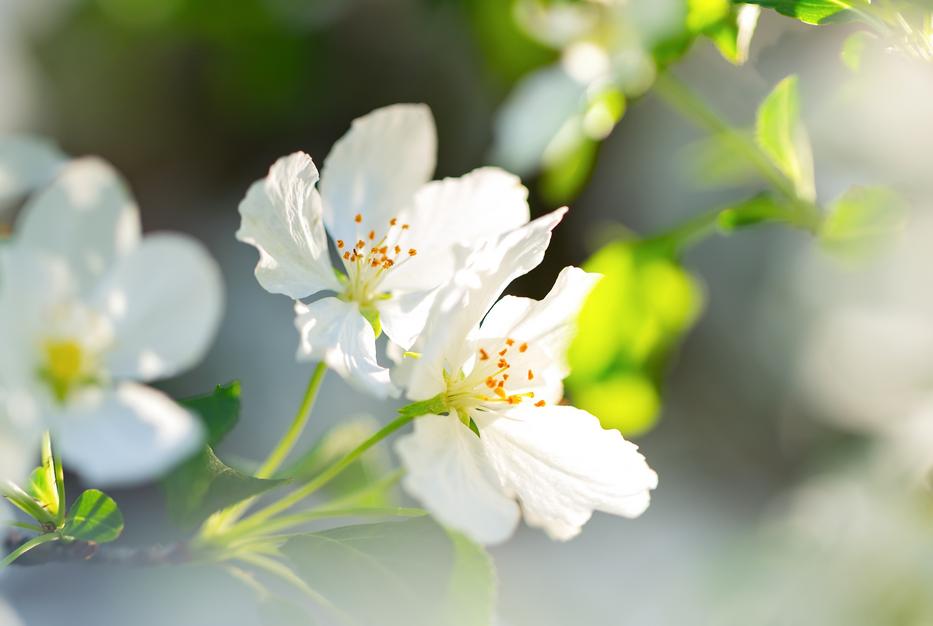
[
  {"x": 523, "y": 347},
  {"x": 372, "y": 234},
  {"x": 358, "y": 218},
  {"x": 483, "y": 355},
  {"x": 340, "y": 243},
  {"x": 412, "y": 252},
  {"x": 510, "y": 342},
  {"x": 393, "y": 221},
  {"x": 500, "y": 392},
  {"x": 539, "y": 403},
  {"x": 531, "y": 375},
  {"x": 405, "y": 226}
]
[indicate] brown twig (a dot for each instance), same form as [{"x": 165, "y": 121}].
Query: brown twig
[{"x": 92, "y": 552}]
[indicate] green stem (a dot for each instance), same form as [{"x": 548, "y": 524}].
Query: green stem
[
  {"x": 35, "y": 542},
  {"x": 287, "y": 522},
  {"x": 258, "y": 518},
  {"x": 288, "y": 441}
]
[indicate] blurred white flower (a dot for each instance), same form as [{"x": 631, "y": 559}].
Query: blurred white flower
[
  {"x": 504, "y": 436},
  {"x": 395, "y": 233},
  {"x": 88, "y": 307},
  {"x": 26, "y": 163}
]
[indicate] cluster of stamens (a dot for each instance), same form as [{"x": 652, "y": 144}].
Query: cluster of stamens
[
  {"x": 371, "y": 256},
  {"x": 497, "y": 380}
]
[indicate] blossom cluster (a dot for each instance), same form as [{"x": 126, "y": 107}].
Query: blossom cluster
[{"x": 426, "y": 262}]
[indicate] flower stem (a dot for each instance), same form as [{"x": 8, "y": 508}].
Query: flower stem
[
  {"x": 257, "y": 519},
  {"x": 35, "y": 542},
  {"x": 288, "y": 441}
]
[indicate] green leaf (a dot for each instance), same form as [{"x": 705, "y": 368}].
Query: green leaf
[
  {"x": 94, "y": 516},
  {"x": 333, "y": 446},
  {"x": 782, "y": 137},
  {"x": 862, "y": 220},
  {"x": 219, "y": 410},
  {"x": 854, "y": 48},
  {"x": 564, "y": 176},
  {"x": 27, "y": 504},
  {"x": 810, "y": 11},
  {"x": 43, "y": 490},
  {"x": 205, "y": 484},
  {"x": 733, "y": 34},
  {"x": 627, "y": 329},
  {"x": 409, "y": 573}
]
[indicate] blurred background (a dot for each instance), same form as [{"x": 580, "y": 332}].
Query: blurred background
[{"x": 783, "y": 402}]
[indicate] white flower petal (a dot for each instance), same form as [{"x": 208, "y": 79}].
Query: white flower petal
[
  {"x": 562, "y": 465},
  {"x": 33, "y": 285},
  {"x": 282, "y": 218},
  {"x": 460, "y": 307},
  {"x": 447, "y": 471},
  {"x": 25, "y": 164},
  {"x": 20, "y": 432},
  {"x": 468, "y": 210},
  {"x": 403, "y": 316},
  {"x": 376, "y": 168},
  {"x": 132, "y": 434},
  {"x": 86, "y": 216},
  {"x": 334, "y": 331},
  {"x": 164, "y": 301},
  {"x": 548, "y": 323}
]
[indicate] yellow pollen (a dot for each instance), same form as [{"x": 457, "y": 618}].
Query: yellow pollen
[{"x": 65, "y": 366}]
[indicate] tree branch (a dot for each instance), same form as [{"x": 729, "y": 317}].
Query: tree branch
[{"x": 91, "y": 552}]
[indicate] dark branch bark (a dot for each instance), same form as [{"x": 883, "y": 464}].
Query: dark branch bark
[{"x": 91, "y": 552}]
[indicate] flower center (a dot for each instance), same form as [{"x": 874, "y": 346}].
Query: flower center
[
  {"x": 66, "y": 367},
  {"x": 370, "y": 257},
  {"x": 501, "y": 375}
]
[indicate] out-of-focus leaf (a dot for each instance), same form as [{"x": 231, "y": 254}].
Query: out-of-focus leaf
[
  {"x": 366, "y": 470},
  {"x": 628, "y": 401},
  {"x": 810, "y": 11},
  {"x": 219, "y": 410},
  {"x": 409, "y": 573},
  {"x": 204, "y": 485},
  {"x": 711, "y": 162},
  {"x": 783, "y": 138},
  {"x": 861, "y": 220},
  {"x": 626, "y": 331},
  {"x": 94, "y": 516},
  {"x": 733, "y": 34},
  {"x": 854, "y": 47},
  {"x": 563, "y": 178},
  {"x": 702, "y": 14}
]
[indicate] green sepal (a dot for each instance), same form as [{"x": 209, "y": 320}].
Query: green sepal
[
  {"x": 372, "y": 316},
  {"x": 434, "y": 406}
]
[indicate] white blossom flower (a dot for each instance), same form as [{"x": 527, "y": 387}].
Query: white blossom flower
[
  {"x": 26, "y": 163},
  {"x": 88, "y": 309},
  {"x": 504, "y": 437},
  {"x": 393, "y": 230}
]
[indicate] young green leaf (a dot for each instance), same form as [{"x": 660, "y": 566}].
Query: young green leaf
[
  {"x": 219, "y": 410},
  {"x": 94, "y": 516},
  {"x": 782, "y": 137},
  {"x": 853, "y": 48},
  {"x": 205, "y": 484},
  {"x": 861, "y": 220},
  {"x": 409, "y": 573},
  {"x": 43, "y": 490},
  {"x": 810, "y": 11}
]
